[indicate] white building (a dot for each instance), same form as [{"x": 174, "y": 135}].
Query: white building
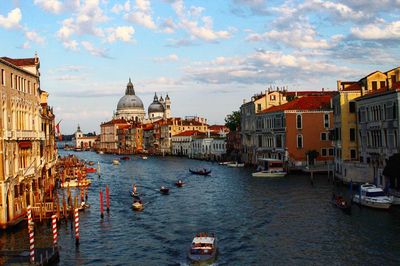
[
  {"x": 208, "y": 147},
  {"x": 182, "y": 142}
]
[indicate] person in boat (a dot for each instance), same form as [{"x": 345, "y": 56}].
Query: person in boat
[{"x": 134, "y": 188}]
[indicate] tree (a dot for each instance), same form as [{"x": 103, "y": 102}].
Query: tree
[{"x": 232, "y": 121}]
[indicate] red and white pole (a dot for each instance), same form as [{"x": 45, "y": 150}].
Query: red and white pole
[
  {"x": 54, "y": 226},
  {"x": 107, "y": 199},
  {"x": 31, "y": 236},
  {"x": 76, "y": 227}
]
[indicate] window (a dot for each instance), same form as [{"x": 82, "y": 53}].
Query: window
[
  {"x": 374, "y": 85},
  {"x": 331, "y": 152},
  {"x": 12, "y": 80},
  {"x": 299, "y": 141},
  {"x": 272, "y": 97},
  {"x": 3, "y": 77},
  {"x": 323, "y": 152},
  {"x": 259, "y": 141},
  {"x": 352, "y": 154},
  {"x": 352, "y": 107},
  {"x": 326, "y": 120},
  {"x": 352, "y": 134},
  {"x": 324, "y": 136},
  {"x": 298, "y": 121},
  {"x": 383, "y": 84},
  {"x": 258, "y": 107}
]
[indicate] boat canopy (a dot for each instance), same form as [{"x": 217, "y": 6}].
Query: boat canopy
[{"x": 203, "y": 240}]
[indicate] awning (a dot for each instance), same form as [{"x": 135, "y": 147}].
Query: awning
[{"x": 25, "y": 144}]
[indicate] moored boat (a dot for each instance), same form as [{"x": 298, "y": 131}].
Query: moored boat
[
  {"x": 235, "y": 164},
  {"x": 200, "y": 172},
  {"x": 269, "y": 167},
  {"x": 270, "y": 173},
  {"x": 164, "y": 190},
  {"x": 144, "y": 157},
  {"x": 76, "y": 183},
  {"x": 203, "y": 248},
  {"x": 91, "y": 170},
  {"x": 371, "y": 196},
  {"x": 83, "y": 206}
]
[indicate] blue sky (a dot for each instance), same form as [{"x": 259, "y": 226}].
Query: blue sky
[{"x": 208, "y": 55}]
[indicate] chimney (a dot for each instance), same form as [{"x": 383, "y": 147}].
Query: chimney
[
  {"x": 266, "y": 99},
  {"x": 339, "y": 85}
]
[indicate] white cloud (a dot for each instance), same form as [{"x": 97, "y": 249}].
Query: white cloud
[
  {"x": 169, "y": 58},
  {"x": 124, "y": 34},
  {"x": 12, "y": 19},
  {"x": 385, "y": 31},
  {"x": 142, "y": 14},
  {"x": 168, "y": 26},
  {"x": 118, "y": 8},
  {"x": 94, "y": 50},
  {"x": 53, "y": 6},
  {"x": 338, "y": 10},
  {"x": 71, "y": 45},
  {"x": 25, "y": 45},
  {"x": 34, "y": 37}
]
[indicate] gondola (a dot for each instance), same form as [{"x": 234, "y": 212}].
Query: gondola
[
  {"x": 200, "y": 172},
  {"x": 341, "y": 203},
  {"x": 164, "y": 190}
]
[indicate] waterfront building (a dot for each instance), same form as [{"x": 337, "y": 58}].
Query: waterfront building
[
  {"x": 207, "y": 146},
  {"x": 346, "y": 140},
  {"x": 84, "y": 142},
  {"x": 134, "y": 139},
  {"x": 233, "y": 146},
  {"x": 109, "y": 138},
  {"x": 289, "y": 132},
  {"x": 27, "y": 144},
  {"x": 182, "y": 142}
]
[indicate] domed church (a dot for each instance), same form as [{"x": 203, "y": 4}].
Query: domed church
[{"x": 130, "y": 107}]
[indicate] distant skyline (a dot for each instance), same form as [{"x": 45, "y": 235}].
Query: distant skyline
[{"x": 207, "y": 55}]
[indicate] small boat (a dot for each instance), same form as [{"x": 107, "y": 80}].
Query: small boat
[
  {"x": 144, "y": 157},
  {"x": 101, "y": 152},
  {"x": 200, "y": 172},
  {"x": 341, "y": 203},
  {"x": 90, "y": 163},
  {"x": 371, "y": 196},
  {"x": 203, "y": 248},
  {"x": 137, "y": 204},
  {"x": 164, "y": 190},
  {"x": 115, "y": 162},
  {"x": 91, "y": 170},
  {"x": 235, "y": 164},
  {"x": 83, "y": 206},
  {"x": 76, "y": 183},
  {"x": 225, "y": 163},
  {"x": 125, "y": 158},
  {"x": 179, "y": 183},
  {"x": 270, "y": 173}
]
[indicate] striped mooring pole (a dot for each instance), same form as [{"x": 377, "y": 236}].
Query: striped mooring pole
[
  {"x": 31, "y": 236},
  {"x": 54, "y": 226},
  {"x": 107, "y": 199},
  {"x": 76, "y": 227},
  {"x": 101, "y": 204}
]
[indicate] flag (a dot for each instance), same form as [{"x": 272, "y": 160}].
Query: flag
[{"x": 58, "y": 133}]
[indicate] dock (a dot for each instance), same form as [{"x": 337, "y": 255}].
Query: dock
[{"x": 43, "y": 257}]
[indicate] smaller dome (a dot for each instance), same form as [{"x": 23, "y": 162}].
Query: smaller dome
[{"x": 156, "y": 106}]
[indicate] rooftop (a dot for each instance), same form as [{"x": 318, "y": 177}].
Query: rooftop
[{"x": 306, "y": 103}]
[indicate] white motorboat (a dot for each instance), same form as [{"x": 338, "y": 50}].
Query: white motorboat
[
  {"x": 395, "y": 195},
  {"x": 203, "y": 248},
  {"x": 76, "y": 183},
  {"x": 115, "y": 162},
  {"x": 270, "y": 173},
  {"x": 372, "y": 196},
  {"x": 235, "y": 164},
  {"x": 144, "y": 157},
  {"x": 225, "y": 163},
  {"x": 101, "y": 152}
]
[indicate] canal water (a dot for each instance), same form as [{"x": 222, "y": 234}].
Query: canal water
[{"x": 258, "y": 221}]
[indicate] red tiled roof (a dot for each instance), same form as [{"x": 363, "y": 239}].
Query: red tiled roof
[
  {"x": 309, "y": 93},
  {"x": 304, "y": 103},
  {"x": 114, "y": 121},
  {"x": 188, "y": 133},
  {"x": 217, "y": 127},
  {"x": 20, "y": 61}
]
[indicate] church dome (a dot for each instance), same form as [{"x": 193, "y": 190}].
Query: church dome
[
  {"x": 156, "y": 106},
  {"x": 129, "y": 100}
]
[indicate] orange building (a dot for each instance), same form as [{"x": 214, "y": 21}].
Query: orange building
[{"x": 292, "y": 131}]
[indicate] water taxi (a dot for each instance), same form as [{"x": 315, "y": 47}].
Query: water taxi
[
  {"x": 203, "y": 248},
  {"x": 115, "y": 162},
  {"x": 235, "y": 164},
  {"x": 371, "y": 196},
  {"x": 270, "y": 168},
  {"x": 144, "y": 157}
]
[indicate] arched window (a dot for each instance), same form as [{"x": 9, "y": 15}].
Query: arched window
[
  {"x": 299, "y": 121},
  {"x": 299, "y": 141}
]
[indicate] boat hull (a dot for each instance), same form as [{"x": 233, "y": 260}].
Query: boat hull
[
  {"x": 266, "y": 174},
  {"x": 200, "y": 172},
  {"x": 74, "y": 183},
  {"x": 203, "y": 259},
  {"x": 371, "y": 203},
  {"x": 137, "y": 206}
]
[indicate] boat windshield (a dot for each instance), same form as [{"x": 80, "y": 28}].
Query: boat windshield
[{"x": 375, "y": 194}]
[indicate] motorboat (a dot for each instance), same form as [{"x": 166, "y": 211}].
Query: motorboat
[
  {"x": 341, "y": 203},
  {"x": 101, "y": 152},
  {"x": 137, "y": 204},
  {"x": 125, "y": 158},
  {"x": 90, "y": 163},
  {"x": 371, "y": 196},
  {"x": 200, "y": 172},
  {"x": 270, "y": 173},
  {"x": 115, "y": 162},
  {"x": 395, "y": 195},
  {"x": 76, "y": 183},
  {"x": 179, "y": 183},
  {"x": 235, "y": 164},
  {"x": 83, "y": 206},
  {"x": 164, "y": 190},
  {"x": 225, "y": 163},
  {"x": 203, "y": 248},
  {"x": 144, "y": 157},
  {"x": 268, "y": 167}
]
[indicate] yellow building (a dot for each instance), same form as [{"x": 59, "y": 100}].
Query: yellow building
[{"x": 27, "y": 147}]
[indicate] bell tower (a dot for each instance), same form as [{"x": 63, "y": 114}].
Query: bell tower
[{"x": 167, "y": 107}]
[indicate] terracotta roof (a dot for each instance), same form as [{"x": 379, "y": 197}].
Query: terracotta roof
[
  {"x": 310, "y": 93},
  {"x": 218, "y": 128},
  {"x": 187, "y": 133},
  {"x": 306, "y": 103},
  {"x": 20, "y": 61},
  {"x": 114, "y": 121}
]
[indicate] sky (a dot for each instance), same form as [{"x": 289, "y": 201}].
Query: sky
[{"x": 207, "y": 55}]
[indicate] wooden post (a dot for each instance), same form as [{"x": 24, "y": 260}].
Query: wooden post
[
  {"x": 101, "y": 204},
  {"x": 107, "y": 198},
  {"x": 312, "y": 178}
]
